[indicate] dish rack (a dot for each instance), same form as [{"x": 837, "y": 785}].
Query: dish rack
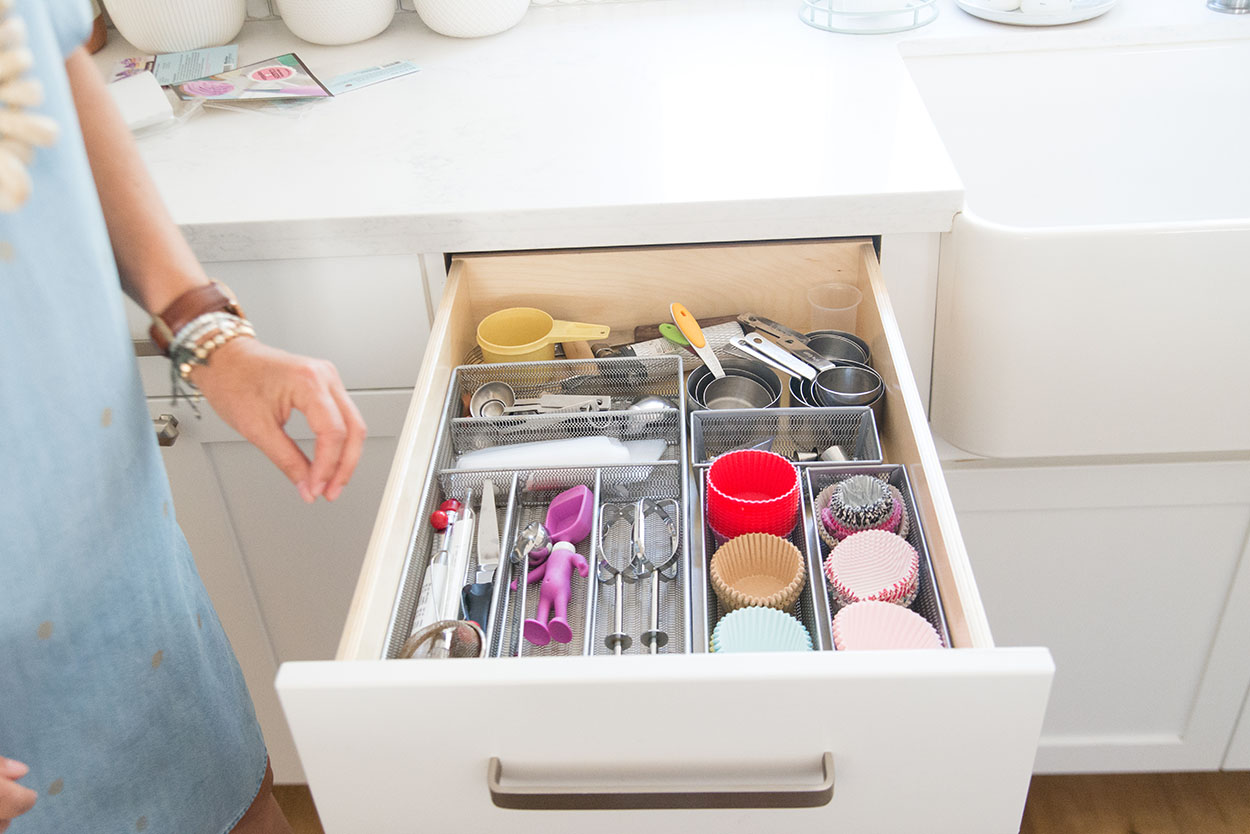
[
  {"x": 688, "y": 607},
  {"x": 868, "y": 17}
]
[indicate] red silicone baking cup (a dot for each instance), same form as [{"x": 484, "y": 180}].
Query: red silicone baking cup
[{"x": 752, "y": 492}]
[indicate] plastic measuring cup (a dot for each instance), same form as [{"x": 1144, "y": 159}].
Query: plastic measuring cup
[{"x": 527, "y": 334}]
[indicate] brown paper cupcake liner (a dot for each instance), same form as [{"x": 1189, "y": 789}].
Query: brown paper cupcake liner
[{"x": 757, "y": 569}]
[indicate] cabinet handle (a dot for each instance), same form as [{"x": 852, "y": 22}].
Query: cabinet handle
[
  {"x": 612, "y": 796},
  {"x": 145, "y": 347},
  {"x": 166, "y": 427}
]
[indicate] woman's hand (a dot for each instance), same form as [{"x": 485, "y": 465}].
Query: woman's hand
[
  {"x": 254, "y": 387},
  {"x": 15, "y": 800}
]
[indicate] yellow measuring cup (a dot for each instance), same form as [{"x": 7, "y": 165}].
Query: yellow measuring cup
[{"x": 527, "y": 334}]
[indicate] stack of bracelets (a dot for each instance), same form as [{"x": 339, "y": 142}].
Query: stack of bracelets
[{"x": 194, "y": 325}]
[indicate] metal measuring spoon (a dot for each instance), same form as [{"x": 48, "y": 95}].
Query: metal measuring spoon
[{"x": 533, "y": 543}]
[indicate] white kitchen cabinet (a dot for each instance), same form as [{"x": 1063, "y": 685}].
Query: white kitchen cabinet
[
  {"x": 870, "y": 741},
  {"x": 1238, "y": 756},
  {"x": 1136, "y": 578},
  {"x": 280, "y": 572},
  {"x": 369, "y": 315}
]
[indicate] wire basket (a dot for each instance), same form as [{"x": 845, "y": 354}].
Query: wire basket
[
  {"x": 528, "y": 491},
  {"x": 790, "y": 432},
  {"x": 928, "y": 603},
  {"x": 868, "y": 17}
]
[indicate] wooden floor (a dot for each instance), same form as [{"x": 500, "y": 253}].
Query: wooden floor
[
  {"x": 1139, "y": 803},
  {"x": 297, "y": 804},
  {"x": 1145, "y": 803}
]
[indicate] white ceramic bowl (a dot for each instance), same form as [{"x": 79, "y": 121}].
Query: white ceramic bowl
[
  {"x": 471, "y": 18},
  {"x": 336, "y": 22},
  {"x": 177, "y": 25}
]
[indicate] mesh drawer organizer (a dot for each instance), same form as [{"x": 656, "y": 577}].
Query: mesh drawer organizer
[
  {"x": 927, "y": 603},
  {"x": 688, "y": 609},
  {"x": 787, "y": 431},
  {"x": 522, "y": 495}
]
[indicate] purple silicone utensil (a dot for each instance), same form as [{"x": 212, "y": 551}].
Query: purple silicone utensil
[
  {"x": 570, "y": 515},
  {"x": 569, "y": 518}
]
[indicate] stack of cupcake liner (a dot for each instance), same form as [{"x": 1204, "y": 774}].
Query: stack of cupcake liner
[
  {"x": 881, "y": 625},
  {"x": 874, "y": 565},
  {"x": 758, "y": 569},
  {"x": 752, "y": 491},
  {"x": 860, "y": 502},
  {"x": 758, "y": 629}
]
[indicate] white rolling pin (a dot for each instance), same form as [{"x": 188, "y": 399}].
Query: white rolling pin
[{"x": 575, "y": 451}]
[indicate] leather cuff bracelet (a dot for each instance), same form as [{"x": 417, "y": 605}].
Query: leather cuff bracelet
[{"x": 213, "y": 297}]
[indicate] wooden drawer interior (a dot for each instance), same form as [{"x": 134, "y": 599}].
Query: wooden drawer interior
[{"x": 627, "y": 287}]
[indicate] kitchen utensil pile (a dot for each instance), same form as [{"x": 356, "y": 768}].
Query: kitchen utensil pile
[{"x": 580, "y": 474}]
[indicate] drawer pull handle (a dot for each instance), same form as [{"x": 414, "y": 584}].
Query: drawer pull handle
[
  {"x": 608, "y": 796},
  {"x": 145, "y": 347},
  {"x": 166, "y": 429}
]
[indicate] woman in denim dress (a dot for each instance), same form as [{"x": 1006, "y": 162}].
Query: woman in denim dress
[{"x": 122, "y": 708}]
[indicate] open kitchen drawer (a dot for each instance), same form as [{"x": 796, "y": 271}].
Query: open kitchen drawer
[{"x": 823, "y": 741}]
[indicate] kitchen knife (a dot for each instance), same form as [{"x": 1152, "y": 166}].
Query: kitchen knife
[{"x": 475, "y": 597}]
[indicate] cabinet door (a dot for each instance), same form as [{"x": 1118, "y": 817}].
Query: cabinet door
[
  {"x": 1238, "y": 757},
  {"x": 280, "y": 572},
  {"x": 367, "y": 315},
  {"x": 1136, "y": 578}
]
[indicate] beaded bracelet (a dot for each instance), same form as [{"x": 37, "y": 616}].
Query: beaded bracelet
[{"x": 195, "y": 342}]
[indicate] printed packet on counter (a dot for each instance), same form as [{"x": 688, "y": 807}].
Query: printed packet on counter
[
  {"x": 177, "y": 67},
  {"x": 281, "y": 78}
]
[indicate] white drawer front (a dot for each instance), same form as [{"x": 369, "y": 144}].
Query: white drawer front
[
  {"x": 937, "y": 741},
  {"x": 916, "y": 738}
]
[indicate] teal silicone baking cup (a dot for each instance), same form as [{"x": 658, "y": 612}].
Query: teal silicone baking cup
[{"x": 757, "y": 629}]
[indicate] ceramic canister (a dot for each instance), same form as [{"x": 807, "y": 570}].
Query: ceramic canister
[{"x": 177, "y": 25}]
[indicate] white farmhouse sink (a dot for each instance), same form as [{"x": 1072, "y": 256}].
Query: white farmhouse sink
[{"x": 1094, "y": 297}]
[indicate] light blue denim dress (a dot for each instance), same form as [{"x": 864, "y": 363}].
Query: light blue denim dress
[{"x": 117, "y": 684}]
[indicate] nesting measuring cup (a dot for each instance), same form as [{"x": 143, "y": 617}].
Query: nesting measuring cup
[{"x": 527, "y": 334}]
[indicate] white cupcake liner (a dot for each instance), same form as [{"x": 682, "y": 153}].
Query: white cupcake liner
[{"x": 874, "y": 565}]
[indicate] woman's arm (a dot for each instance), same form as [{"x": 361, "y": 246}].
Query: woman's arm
[{"x": 251, "y": 386}]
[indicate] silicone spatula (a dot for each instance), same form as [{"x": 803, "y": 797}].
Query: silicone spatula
[{"x": 691, "y": 330}]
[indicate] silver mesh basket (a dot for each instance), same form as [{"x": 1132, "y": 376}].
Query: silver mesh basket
[
  {"x": 811, "y": 609},
  {"x": 927, "y": 603},
  {"x": 523, "y": 495},
  {"x": 790, "y": 431}
]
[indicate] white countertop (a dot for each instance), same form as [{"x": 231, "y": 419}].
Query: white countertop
[{"x": 601, "y": 124}]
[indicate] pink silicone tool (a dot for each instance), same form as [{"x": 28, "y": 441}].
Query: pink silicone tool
[
  {"x": 569, "y": 516},
  {"x": 557, "y": 576}
]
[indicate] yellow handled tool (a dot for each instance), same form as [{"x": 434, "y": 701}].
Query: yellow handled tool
[{"x": 690, "y": 329}]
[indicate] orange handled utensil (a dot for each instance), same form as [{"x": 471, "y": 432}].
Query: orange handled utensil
[{"x": 694, "y": 334}]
